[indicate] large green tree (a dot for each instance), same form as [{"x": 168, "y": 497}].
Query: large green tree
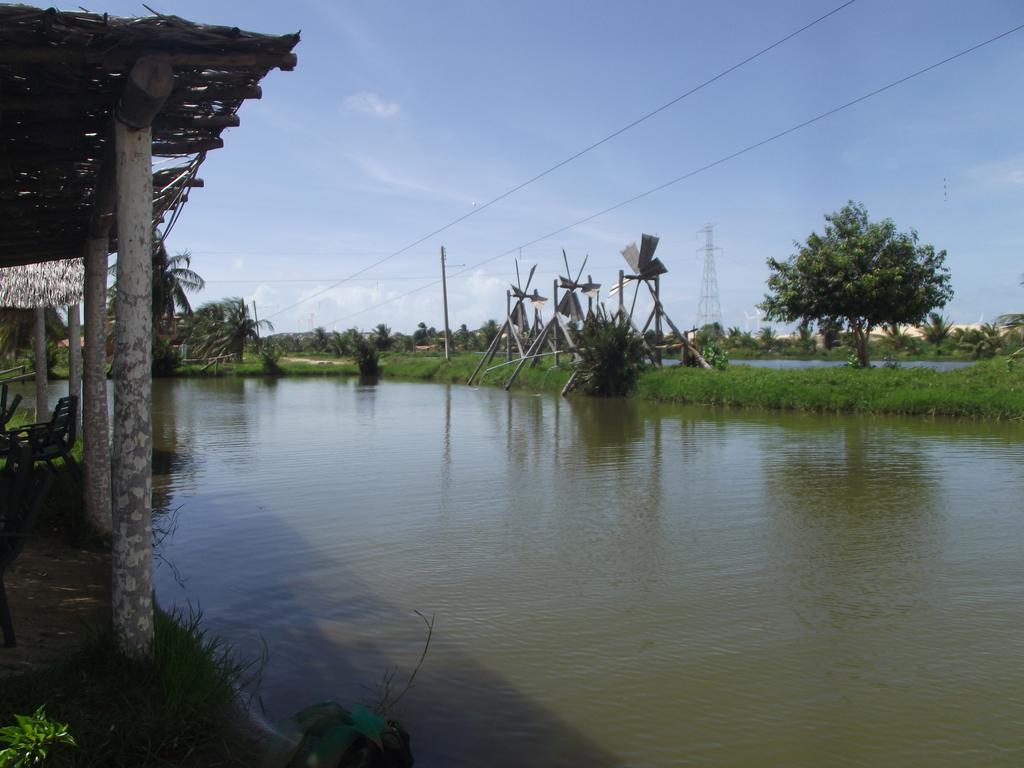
[{"x": 859, "y": 273}]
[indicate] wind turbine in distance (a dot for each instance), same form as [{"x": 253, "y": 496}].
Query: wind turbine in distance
[{"x": 750, "y": 317}]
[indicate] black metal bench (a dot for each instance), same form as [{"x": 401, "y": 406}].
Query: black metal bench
[
  {"x": 22, "y": 492},
  {"x": 6, "y": 411},
  {"x": 53, "y": 439}
]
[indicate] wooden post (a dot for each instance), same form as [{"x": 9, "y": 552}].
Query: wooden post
[
  {"x": 75, "y": 355},
  {"x": 444, "y": 295},
  {"x": 555, "y": 294},
  {"x": 508, "y": 315},
  {"x": 95, "y": 423},
  {"x": 657, "y": 320},
  {"x": 150, "y": 83},
  {"x": 622, "y": 298},
  {"x": 39, "y": 351}
]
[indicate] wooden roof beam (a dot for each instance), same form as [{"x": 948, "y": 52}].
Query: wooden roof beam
[
  {"x": 149, "y": 84},
  {"x": 120, "y": 58}
]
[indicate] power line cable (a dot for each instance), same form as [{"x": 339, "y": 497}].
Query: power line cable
[
  {"x": 703, "y": 168},
  {"x": 575, "y": 156}
]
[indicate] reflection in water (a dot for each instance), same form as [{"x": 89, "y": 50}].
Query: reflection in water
[{"x": 615, "y": 583}]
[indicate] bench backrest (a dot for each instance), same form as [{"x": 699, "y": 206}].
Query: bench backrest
[{"x": 64, "y": 423}]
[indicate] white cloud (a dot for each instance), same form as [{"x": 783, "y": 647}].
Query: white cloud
[
  {"x": 402, "y": 181},
  {"x": 1002, "y": 173},
  {"x": 371, "y": 104}
]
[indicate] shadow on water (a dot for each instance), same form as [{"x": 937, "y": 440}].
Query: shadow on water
[
  {"x": 312, "y": 658},
  {"x": 326, "y": 643}
]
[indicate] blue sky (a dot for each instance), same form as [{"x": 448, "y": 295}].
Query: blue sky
[{"x": 401, "y": 116}]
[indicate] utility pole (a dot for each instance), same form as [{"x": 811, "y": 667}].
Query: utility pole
[
  {"x": 256, "y": 319},
  {"x": 444, "y": 295}
]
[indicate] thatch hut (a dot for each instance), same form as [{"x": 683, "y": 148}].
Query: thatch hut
[
  {"x": 38, "y": 286},
  {"x": 87, "y": 101}
]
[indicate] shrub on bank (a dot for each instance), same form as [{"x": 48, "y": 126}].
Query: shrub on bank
[{"x": 611, "y": 356}]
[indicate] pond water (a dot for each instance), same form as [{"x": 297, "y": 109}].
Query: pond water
[{"x": 613, "y": 583}]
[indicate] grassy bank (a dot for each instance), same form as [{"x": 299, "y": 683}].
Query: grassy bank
[
  {"x": 986, "y": 390},
  {"x": 172, "y": 709},
  {"x": 989, "y": 389},
  {"x": 177, "y": 708}
]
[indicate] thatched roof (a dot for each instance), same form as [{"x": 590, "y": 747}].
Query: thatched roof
[
  {"x": 50, "y": 284},
  {"x": 61, "y": 76}
]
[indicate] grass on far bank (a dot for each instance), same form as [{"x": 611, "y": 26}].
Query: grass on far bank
[
  {"x": 989, "y": 389},
  {"x": 173, "y": 709}
]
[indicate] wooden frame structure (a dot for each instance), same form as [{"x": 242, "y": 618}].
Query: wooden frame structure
[
  {"x": 568, "y": 306},
  {"x": 517, "y": 326},
  {"x": 647, "y": 270},
  {"x": 86, "y": 101}
]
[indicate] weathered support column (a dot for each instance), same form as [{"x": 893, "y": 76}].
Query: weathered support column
[
  {"x": 149, "y": 85},
  {"x": 39, "y": 351},
  {"x": 554, "y": 295},
  {"x": 657, "y": 321},
  {"x": 75, "y": 356},
  {"x": 95, "y": 424}
]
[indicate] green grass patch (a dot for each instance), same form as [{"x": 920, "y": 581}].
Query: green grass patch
[
  {"x": 175, "y": 708},
  {"x": 990, "y": 389}
]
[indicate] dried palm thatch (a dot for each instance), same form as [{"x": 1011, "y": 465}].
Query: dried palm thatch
[
  {"x": 61, "y": 77},
  {"x": 49, "y": 284}
]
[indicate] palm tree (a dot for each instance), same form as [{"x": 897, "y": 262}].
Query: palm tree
[
  {"x": 225, "y": 327},
  {"x": 488, "y": 331},
  {"x": 896, "y": 338},
  {"x": 937, "y": 329},
  {"x": 766, "y": 337},
  {"x": 805, "y": 338},
  {"x": 463, "y": 336},
  {"x": 319, "y": 341},
  {"x": 382, "y": 337},
  {"x": 17, "y": 327},
  {"x": 173, "y": 280},
  {"x": 423, "y": 334},
  {"x": 339, "y": 344},
  {"x": 985, "y": 341}
]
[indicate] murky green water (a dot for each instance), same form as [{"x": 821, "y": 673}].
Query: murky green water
[{"x": 613, "y": 583}]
